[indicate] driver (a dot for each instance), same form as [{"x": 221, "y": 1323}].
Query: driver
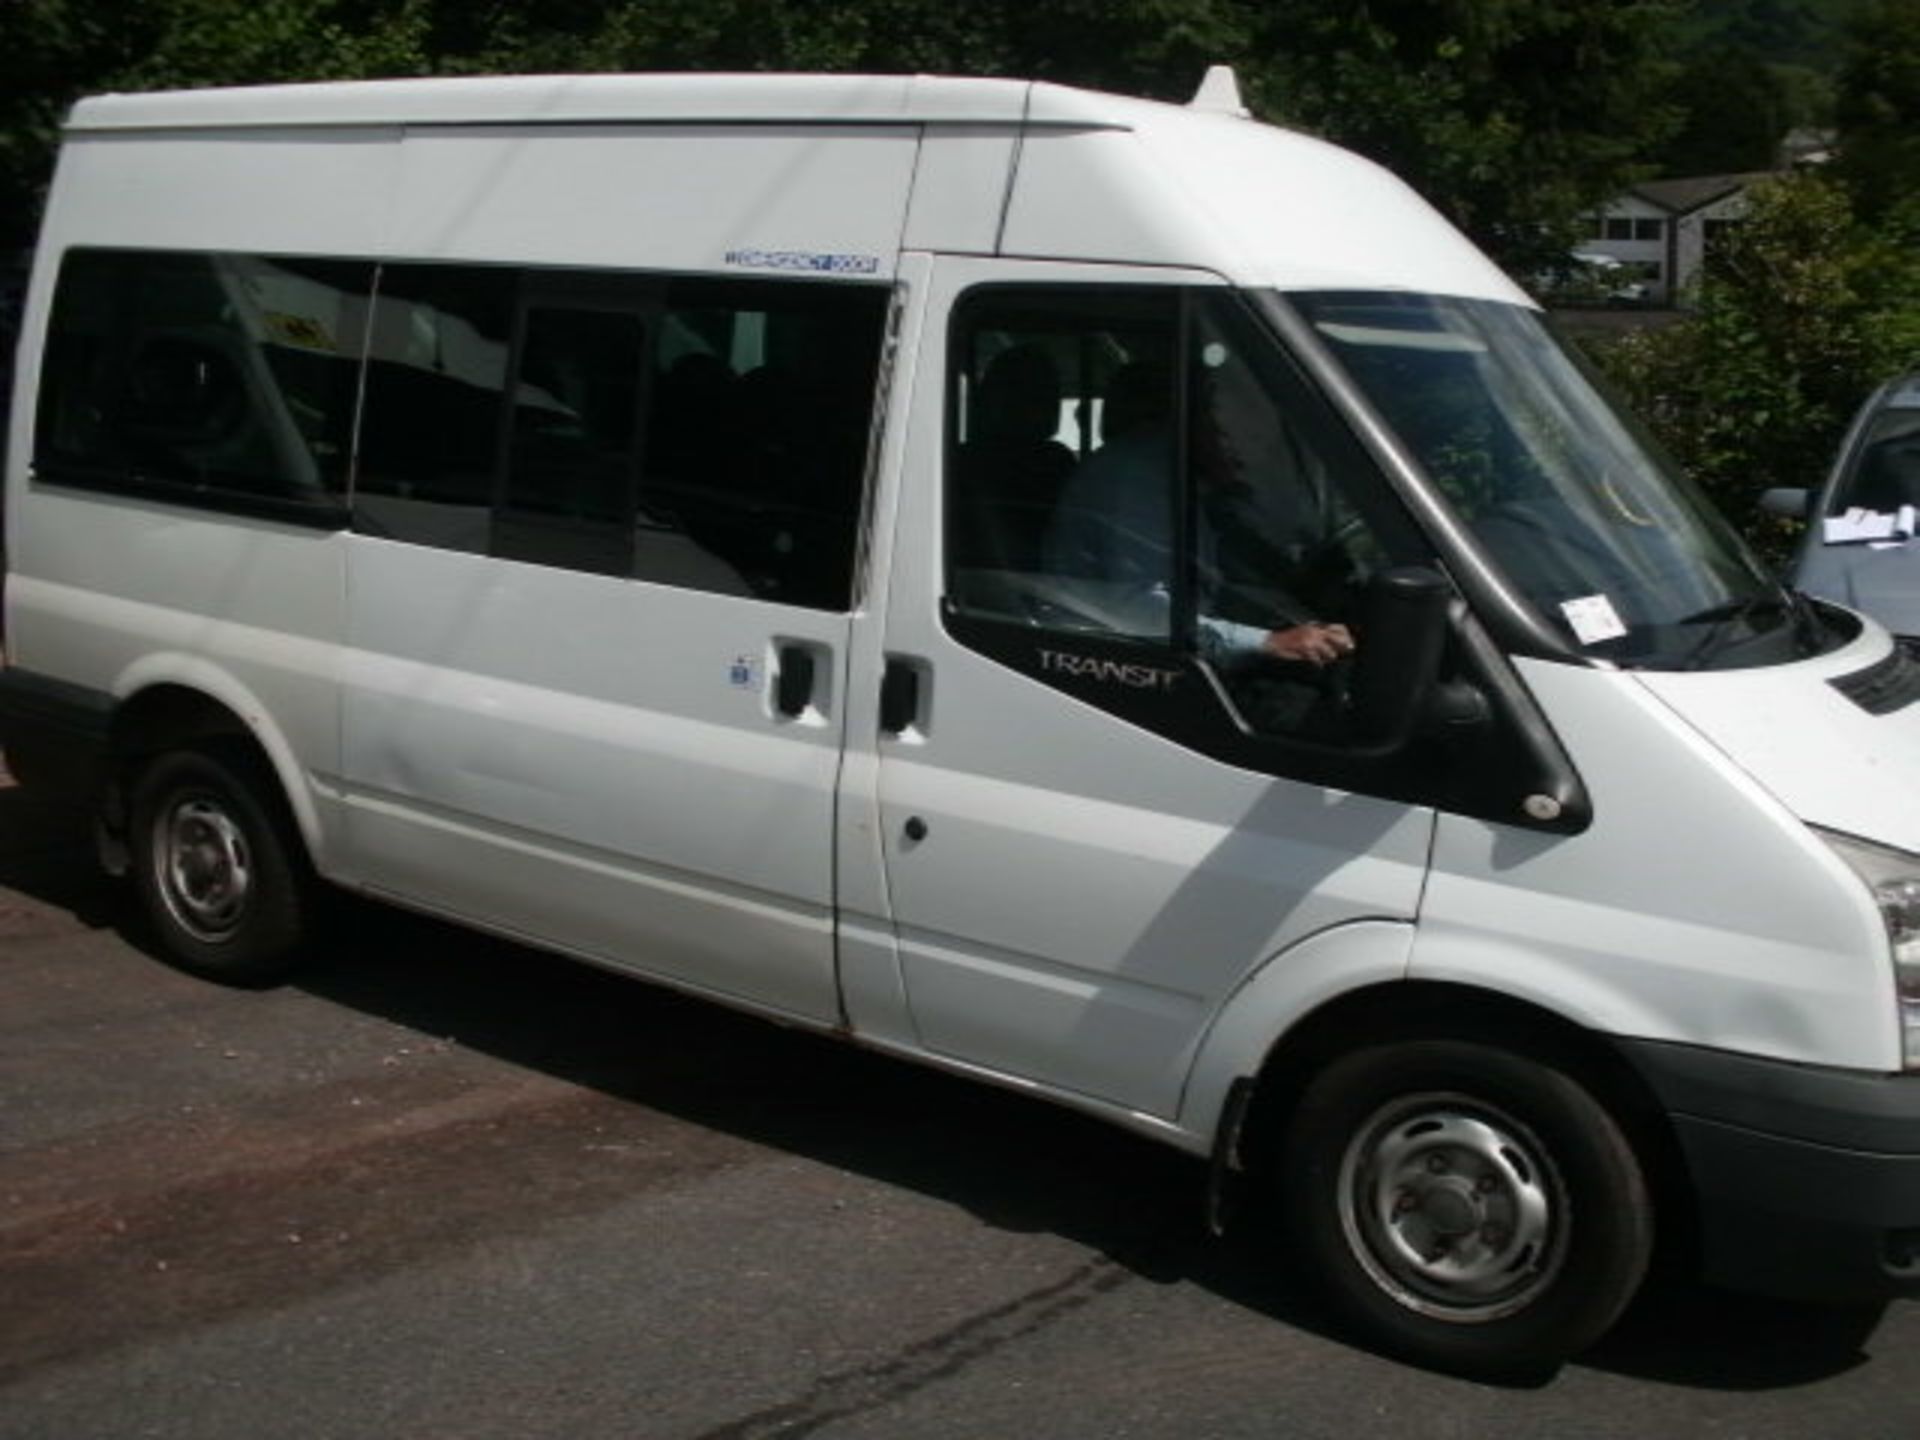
[{"x": 1114, "y": 526}]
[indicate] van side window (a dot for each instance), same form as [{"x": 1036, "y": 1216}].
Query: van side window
[
  {"x": 575, "y": 431},
  {"x": 703, "y": 433},
  {"x": 221, "y": 381},
  {"x": 437, "y": 357},
  {"x": 1146, "y": 474},
  {"x": 757, "y": 444},
  {"x": 1063, "y": 508}
]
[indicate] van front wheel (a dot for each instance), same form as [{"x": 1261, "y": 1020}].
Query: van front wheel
[
  {"x": 1466, "y": 1206},
  {"x": 218, "y": 866}
]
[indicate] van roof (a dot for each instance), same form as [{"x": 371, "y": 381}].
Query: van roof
[
  {"x": 1067, "y": 174},
  {"x": 578, "y": 99}
]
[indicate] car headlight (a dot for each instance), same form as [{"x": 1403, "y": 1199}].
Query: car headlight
[{"x": 1894, "y": 878}]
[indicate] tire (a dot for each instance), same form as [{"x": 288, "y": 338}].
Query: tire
[
  {"x": 218, "y": 866},
  {"x": 1467, "y": 1207}
]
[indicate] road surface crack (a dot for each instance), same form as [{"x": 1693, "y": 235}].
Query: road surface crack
[{"x": 870, "y": 1387}]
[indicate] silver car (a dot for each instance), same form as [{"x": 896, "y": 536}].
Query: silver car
[{"x": 1859, "y": 548}]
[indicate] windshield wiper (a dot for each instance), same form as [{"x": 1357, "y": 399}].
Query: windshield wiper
[
  {"x": 1721, "y": 620},
  {"x": 1808, "y": 627}
]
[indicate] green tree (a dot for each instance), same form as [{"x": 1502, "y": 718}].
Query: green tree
[
  {"x": 49, "y": 51},
  {"x": 246, "y": 42},
  {"x": 1737, "y": 109},
  {"x": 1516, "y": 117},
  {"x": 53, "y": 51},
  {"x": 1879, "y": 106},
  {"x": 1746, "y": 73},
  {"x": 1801, "y": 313},
  {"x": 1150, "y": 47}
]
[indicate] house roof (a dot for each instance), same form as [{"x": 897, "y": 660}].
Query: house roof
[{"x": 1683, "y": 196}]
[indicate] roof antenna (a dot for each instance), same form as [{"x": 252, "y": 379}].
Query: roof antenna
[{"x": 1219, "y": 92}]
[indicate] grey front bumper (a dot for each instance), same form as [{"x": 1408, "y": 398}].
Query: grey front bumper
[{"x": 1807, "y": 1179}]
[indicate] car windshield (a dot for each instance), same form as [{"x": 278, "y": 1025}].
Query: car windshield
[
  {"x": 1576, "y": 506},
  {"x": 1884, "y": 473}
]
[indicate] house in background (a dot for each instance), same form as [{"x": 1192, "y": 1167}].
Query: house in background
[{"x": 1661, "y": 231}]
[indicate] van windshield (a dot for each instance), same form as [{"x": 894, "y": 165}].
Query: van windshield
[{"x": 1567, "y": 496}]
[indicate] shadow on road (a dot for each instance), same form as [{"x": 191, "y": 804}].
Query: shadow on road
[
  {"x": 1680, "y": 1334},
  {"x": 1017, "y": 1164},
  {"x": 1014, "y": 1162},
  {"x": 46, "y": 851}
]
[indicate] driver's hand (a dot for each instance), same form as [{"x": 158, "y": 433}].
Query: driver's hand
[{"x": 1312, "y": 643}]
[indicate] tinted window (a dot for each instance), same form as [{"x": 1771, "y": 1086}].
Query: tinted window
[
  {"x": 221, "y": 380},
  {"x": 1289, "y": 522},
  {"x": 1564, "y": 491},
  {"x": 437, "y": 363},
  {"x": 1063, "y": 506},
  {"x": 576, "y": 424},
  {"x": 1146, "y": 468},
  {"x": 709, "y": 434},
  {"x": 762, "y": 404}
]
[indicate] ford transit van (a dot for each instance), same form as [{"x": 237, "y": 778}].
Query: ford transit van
[{"x": 1111, "y": 598}]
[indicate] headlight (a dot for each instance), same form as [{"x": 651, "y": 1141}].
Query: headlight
[{"x": 1894, "y": 878}]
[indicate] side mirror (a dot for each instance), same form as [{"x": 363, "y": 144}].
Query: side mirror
[
  {"x": 1789, "y": 503},
  {"x": 1402, "y": 635}
]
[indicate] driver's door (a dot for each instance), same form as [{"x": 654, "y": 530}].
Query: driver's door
[{"x": 1088, "y": 846}]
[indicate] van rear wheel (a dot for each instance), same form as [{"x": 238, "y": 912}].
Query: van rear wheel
[
  {"x": 218, "y": 866},
  {"x": 1466, "y": 1206}
]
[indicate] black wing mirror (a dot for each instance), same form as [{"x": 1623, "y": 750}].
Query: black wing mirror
[{"x": 1403, "y": 633}]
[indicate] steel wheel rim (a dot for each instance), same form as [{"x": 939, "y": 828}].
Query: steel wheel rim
[
  {"x": 204, "y": 867},
  {"x": 1453, "y": 1208}
]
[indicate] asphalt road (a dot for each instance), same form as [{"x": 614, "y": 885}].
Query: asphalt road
[{"x": 447, "y": 1187}]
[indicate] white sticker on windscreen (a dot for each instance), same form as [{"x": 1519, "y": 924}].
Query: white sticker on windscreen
[{"x": 1593, "y": 619}]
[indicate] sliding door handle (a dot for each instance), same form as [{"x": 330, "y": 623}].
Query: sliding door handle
[
  {"x": 793, "y": 686},
  {"x": 899, "y": 696}
]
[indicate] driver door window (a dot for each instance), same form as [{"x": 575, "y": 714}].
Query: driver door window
[
  {"x": 1063, "y": 512},
  {"x": 1144, "y": 473}
]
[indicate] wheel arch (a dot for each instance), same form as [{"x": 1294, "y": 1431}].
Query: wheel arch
[
  {"x": 162, "y": 708},
  {"x": 1426, "y": 1009}
]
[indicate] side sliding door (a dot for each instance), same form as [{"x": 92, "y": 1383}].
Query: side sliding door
[{"x": 598, "y": 596}]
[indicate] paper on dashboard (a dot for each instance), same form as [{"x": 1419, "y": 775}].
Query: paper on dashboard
[{"x": 1858, "y": 524}]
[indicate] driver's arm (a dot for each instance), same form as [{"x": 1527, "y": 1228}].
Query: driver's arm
[
  {"x": 1311, "y": 642},
  {"x": 1314, "y": 643}
]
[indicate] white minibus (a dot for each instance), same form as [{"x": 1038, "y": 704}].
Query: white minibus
[{"x": 1107, "y": 597}]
